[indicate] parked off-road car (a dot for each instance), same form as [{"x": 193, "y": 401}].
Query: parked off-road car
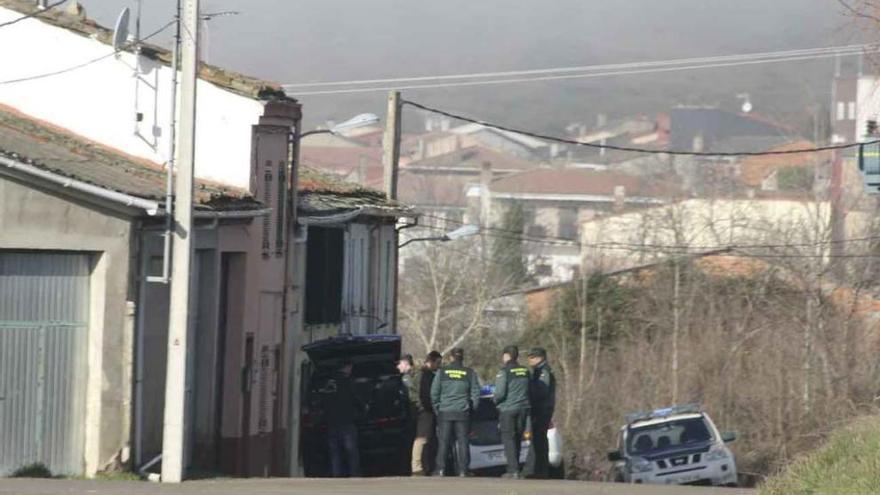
[
  {"x": 382, "y": 420},
  {"x": 674, "y": 446}
]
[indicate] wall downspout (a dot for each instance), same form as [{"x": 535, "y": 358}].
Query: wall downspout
[{"x": 143, "y": 266}]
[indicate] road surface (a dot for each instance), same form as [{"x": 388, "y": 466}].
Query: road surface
[{"x": 378, "y": 486}]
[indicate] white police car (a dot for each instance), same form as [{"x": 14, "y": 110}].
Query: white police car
[
  {"x": 486, "y": 449},
  {"x": 677, "y": 445}
]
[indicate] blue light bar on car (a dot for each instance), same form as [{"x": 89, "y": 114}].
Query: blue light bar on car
[{"x": 664, "y": 412}]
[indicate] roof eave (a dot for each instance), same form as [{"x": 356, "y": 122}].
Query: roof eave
[{"x": 150, "y": 207}]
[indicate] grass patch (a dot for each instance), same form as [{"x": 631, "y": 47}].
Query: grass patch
[
  {"x": 36, "y": 470},
  {"x": 118, "y": 476},
  {"x": 848, "y": 464}
]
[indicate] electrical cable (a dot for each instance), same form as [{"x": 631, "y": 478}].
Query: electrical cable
[
  {"x": 736, "y": 251},
  {"x": 624, "y": 72},
  {"x": 845, "y": 49},
  {"x": 645, "y": 151},
  {"x": 33, "y": 14},
  {"x": 87, "y": 63},
  {"x": 513, "y": 234},
  {"x": 611, "y": 245}
]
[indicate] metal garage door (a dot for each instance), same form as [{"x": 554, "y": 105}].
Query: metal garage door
[{"x": 44, "y": 300}]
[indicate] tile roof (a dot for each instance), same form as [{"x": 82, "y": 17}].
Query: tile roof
[
  {"x": 581, "y": 182},
  {"x": 473, "y": 157},
  {"x": 322, "y": 194},
  {"x": 754, "y": 169},
  {"x": 61, "y": 152},
  {"x": 527, "y": 141},
  {"x": 227, "y": 79},
  {"x": 434, "y": 190},
  {"x": 340, "y": 160}
]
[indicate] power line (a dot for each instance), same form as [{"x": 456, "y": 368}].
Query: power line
[
  {"x": 842, "y": 50},
  {"x": 628, "y": 148},
  {"x": 613, "y": 245},
  {"x": 733, "y": 250},
  {"x": 86, "y": 63},
  {"x": 33, "y": 14},
  {"x": 624, "y": 72}
]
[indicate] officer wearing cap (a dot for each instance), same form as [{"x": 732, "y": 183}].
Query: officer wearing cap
[
  {"x": 542, "y": 395},
  {"x": 512, "y": 398},
  {"x": 454, "y": 394}
]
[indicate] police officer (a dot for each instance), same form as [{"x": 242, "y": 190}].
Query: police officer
[
  {"x": 542, "y": 395},
  {"x": 454, "y": 394},
  {"x": 425, "y": 442},
  {"x": 512, "y": 398}
]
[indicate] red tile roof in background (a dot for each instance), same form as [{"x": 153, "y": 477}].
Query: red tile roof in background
[{"x": 581, "y": 182}]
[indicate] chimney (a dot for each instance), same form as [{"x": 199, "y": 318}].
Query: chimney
[
  {"x": 619, "y": 197},
  {"x": 485, "y": 199},
  {"x": 697, "y": 146},
  {"x": 362, "y": 170}
]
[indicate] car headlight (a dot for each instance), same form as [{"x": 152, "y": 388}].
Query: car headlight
[
  {"x": 717, "y": 454},
  {"x": 641, "y": 466}
]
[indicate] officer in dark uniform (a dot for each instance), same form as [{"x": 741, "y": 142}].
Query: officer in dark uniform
[
  {"x": 542, "y": 394},
  {"x": 454, "y": 394},
  {"x": 512, "y": 398}
]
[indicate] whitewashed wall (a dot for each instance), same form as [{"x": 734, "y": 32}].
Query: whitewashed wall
[
  {"x": 868, "y": 104},
  {"x": 100, "y": 101}
]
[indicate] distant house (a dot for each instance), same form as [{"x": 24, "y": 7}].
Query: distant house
[
  {"x": 635, "y": 238},
  {"x": 854, "y": 102},
  {"x": 703, "y": 128},
  {"x": 362, "y": 165},
  {"x": 448, "y": 140},
  {"x": 555, "y": 202},
  {"x": 438, "y": 185}
]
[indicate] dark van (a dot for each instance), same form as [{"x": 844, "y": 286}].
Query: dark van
[{"x": 383, "y": 418}]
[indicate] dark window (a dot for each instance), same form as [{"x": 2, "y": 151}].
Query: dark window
[
  {"x": 536, "y": 230},
  {"x": 568, "y": 223},
  {"x": 543, "y": 270},
  {"x": 324, "y": 259}
]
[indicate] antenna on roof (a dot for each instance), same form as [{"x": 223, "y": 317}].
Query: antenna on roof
[{"x": 120, "y": 30}]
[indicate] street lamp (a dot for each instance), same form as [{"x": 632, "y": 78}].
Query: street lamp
[
  {"x": 355, "y": 122},
  {"x": 459, "y": 233}
]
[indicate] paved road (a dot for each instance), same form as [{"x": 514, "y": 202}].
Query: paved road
[{"x": 378, "y": 486}]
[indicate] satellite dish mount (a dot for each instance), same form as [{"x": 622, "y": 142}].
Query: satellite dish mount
[{"x": 120, "y": 30}]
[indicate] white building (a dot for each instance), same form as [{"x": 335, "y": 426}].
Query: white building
[{"x": 64, "y": 70}]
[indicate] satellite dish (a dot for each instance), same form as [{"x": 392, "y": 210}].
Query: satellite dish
[
  {"x": 120, "y": 30},
  {"x": 747, "y": 106}
]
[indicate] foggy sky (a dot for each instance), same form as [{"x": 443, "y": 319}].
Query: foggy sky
[{"x": 308, "y": 40}]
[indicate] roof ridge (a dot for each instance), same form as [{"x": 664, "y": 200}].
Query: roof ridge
[{"x": 242, "y": 84}]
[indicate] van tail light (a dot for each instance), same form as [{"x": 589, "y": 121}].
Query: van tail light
[{"x": 386, "y": 421}]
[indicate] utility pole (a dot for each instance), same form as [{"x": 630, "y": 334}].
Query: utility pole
[
  {"x": 178, "y": 320},
  {"x": 391, "y": 144},
  {"x": 390, "y": 163}
]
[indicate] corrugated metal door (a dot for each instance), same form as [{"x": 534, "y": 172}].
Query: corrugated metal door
[{"x": 44, "y": 301}]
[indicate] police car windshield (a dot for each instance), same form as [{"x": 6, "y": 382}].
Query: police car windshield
[{"x": 667, "y": 435}]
